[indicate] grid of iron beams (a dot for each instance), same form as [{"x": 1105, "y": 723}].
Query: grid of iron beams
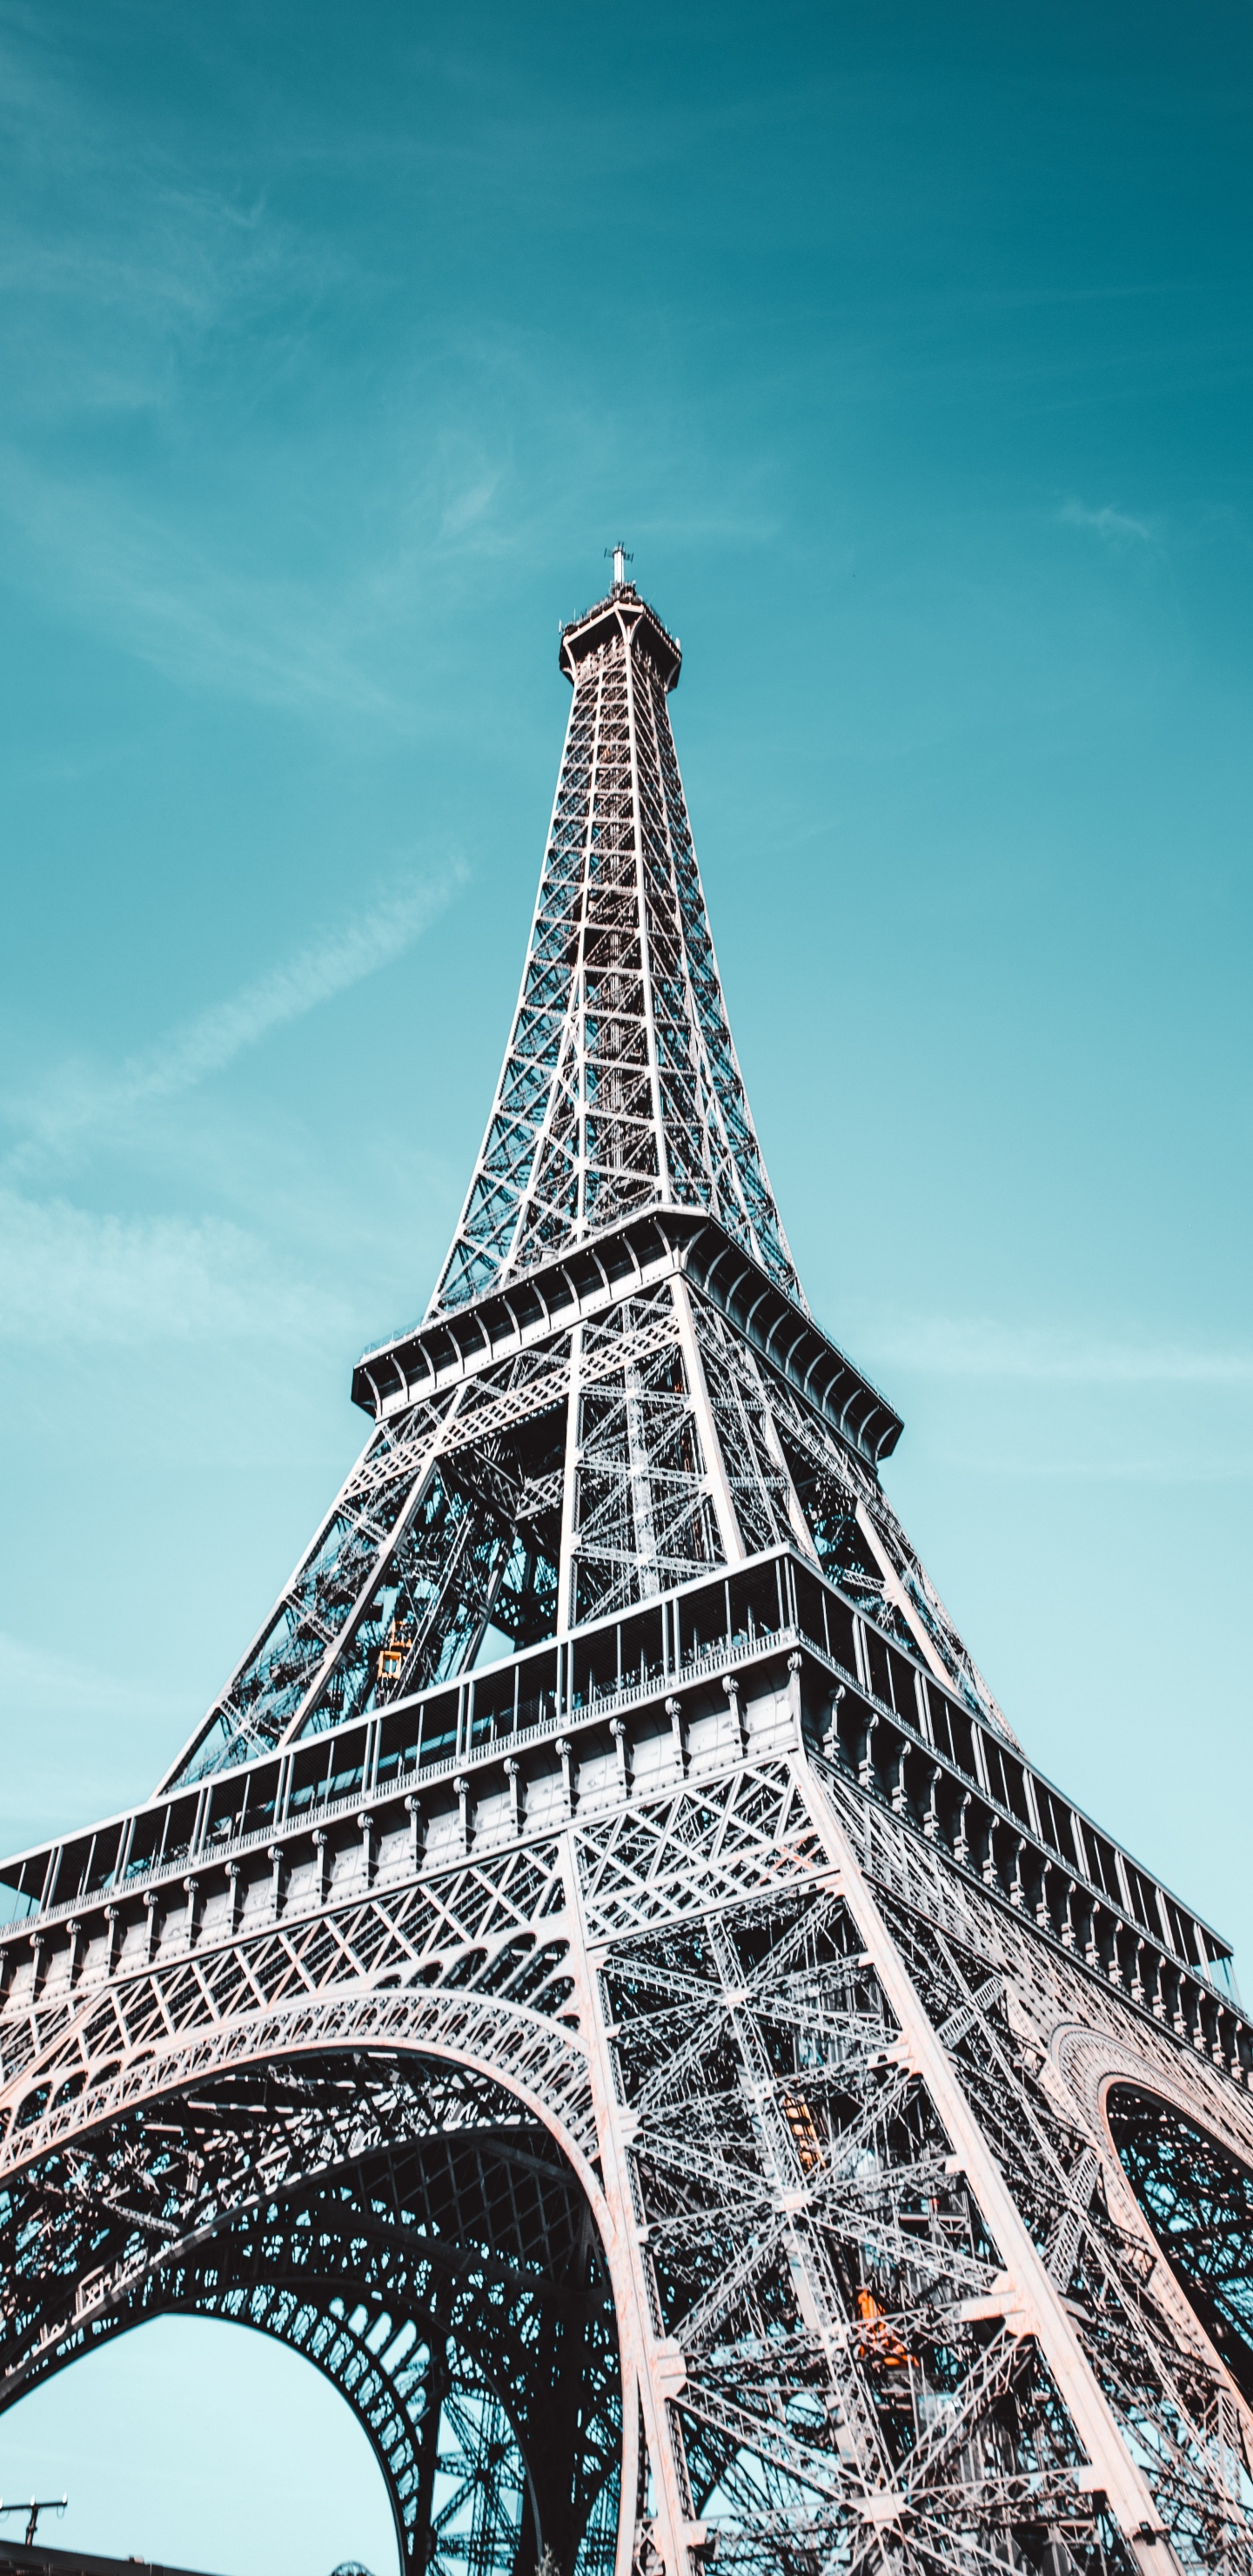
[
  {"x": 604, "y": 1982},
  {"x": 481, "y": 1757},
  {"x": 852, "y": 2170},
  {"x": 620, "y": 1087}
]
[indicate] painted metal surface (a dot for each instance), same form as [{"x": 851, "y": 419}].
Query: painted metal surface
[{"x": 604, "y": 1983}]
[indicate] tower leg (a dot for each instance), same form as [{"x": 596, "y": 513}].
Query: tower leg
[{"x": 1033, "y": 2304}]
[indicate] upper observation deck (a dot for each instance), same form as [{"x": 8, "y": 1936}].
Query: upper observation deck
[{"x": 623, "y": 613}]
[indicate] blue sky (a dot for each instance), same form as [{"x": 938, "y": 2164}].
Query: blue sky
[{"x": 910, "y": 350}]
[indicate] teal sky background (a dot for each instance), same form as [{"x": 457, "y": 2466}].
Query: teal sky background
[{"x": 910, "y": 349}]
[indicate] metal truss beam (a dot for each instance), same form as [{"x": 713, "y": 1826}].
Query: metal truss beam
[{"x": 604, "y": 1982}]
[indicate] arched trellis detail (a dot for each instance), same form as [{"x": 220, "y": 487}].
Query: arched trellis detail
[
  {"x": 347, "y": 2359},
  {"x": 445, "y": 2275},
  {"x": 747, "y": 1980},
  {"x": 431, "y": 1993},
  {"x": 1090, "y": 2065}
]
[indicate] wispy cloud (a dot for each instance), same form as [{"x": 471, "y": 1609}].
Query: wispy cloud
[
  {"x": 1028, "y": 1468},
  {"x": 980, "y": 1347},
  {"x": 151, "y": 251},
  {"x": 81, "y": 1101},
  {"x": 183, "y": 608},
  {"x": 125, "y": 269},
  {"x": 73, "y": 1721},
  {"x": 70, "y": 1279},
  {"x": 1116, "y": 527}
]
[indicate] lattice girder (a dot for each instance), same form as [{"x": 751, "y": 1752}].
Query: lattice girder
[
  {"x": 620, "y": 1085},
  {"x": 603, "y": 1465},
  {"x": 839, "y": 2298},
  {"x": 439, "y": 2267},
  {"x": 604, "y": 1982}
]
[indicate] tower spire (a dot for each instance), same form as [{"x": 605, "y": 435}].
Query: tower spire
[{"x": 620, "y": 1087}]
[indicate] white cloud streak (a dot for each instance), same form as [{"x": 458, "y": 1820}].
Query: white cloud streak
[
  {"x": 70, "y": 1720},
  {"x": 70, "y": 1279},
  {"x": 980, "y": 1347},
  {"x": 80, "y": 1102},
  {"x": 1116, "y": 527},
  {"x": 1068, "y": 1470},
  {"x": 183, "y": 609}
]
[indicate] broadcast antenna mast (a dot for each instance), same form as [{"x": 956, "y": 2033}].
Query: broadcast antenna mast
[{"x": 36, "y": 2506}]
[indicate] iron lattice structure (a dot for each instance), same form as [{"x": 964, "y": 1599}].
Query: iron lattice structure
[{"x": 605, "y": 1983}]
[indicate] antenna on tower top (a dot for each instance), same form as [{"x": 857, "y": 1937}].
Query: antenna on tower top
[{"x": 621, "y": 559}]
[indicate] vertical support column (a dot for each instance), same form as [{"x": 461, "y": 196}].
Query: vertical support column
[
  {"x": 570, "y": 1490},
  {"x": 899, "y": 1801},
  {"x": 831, "y": 1744},
  {"x": 865, "y": 1768},
  {"x": 931, "y": 1823},
  {"x": 646, "y": 963},
  {"x": 652, "y": 2366},
  {"x": 1032, "y": 2298},
  {"x": 711, "y": 1446},
  {"x": 674, "y": 1711},
  {"x": 797, "y": 1522},
  {"x": 860, "y": 1657},
  {"x": 124, "y": 1852},
  {"x": 794, "y": 1669},
  {"x": 565, "y": 1755},
  {"x": 640, "y": 1464},
  {"x": 990, "y": 1874},
  {"x": 895, "y": 1592},
  {"x": 617, "y": 1728},
  {"x": 961, "y": 1840}
]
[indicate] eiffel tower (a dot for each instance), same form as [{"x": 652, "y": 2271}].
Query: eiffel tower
[{"x": 605, "y": 1983}]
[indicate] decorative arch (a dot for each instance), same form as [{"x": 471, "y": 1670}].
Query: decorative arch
[
  {"x": 1196, "y": 2195},
  {"x": 420, "y": 2237}
]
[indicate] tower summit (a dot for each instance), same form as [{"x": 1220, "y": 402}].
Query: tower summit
[
  {"x": 604, "y": 1981},
  {"x": 620, "y": 1088}
]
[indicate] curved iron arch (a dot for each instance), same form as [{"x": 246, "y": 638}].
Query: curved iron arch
[
  {"x": 1197, "y": 2196},
  {"x": 425, "y": 2200}
]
